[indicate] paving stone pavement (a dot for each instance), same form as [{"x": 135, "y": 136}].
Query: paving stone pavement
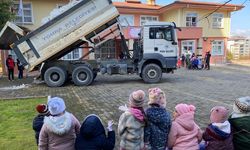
[{"x": 203, "y": 88}]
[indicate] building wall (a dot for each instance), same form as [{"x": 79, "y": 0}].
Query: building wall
[
  {"x": 41, "y": 9},
  {"x": 179, "y": 17},
  {"x": 172, "y": 16},
  {"x": 240, "y": 48}
]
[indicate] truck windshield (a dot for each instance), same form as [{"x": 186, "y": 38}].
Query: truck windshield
[{"x": 160, "y": 33}]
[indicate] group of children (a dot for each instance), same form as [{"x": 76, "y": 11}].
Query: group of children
[{"x": 145, "y": 128}]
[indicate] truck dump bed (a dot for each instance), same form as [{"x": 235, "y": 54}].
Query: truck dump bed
[{"x": 71, "y": 28}]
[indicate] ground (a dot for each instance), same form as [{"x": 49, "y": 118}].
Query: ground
[{"x": 204, "y": 89}]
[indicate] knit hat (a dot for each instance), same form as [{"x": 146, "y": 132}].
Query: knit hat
[
  {"x": 157, "y": 96},
  {"x": 136, "y": 98},
  {"x": 242, "y": 104},
  {"x": 219, "y": 114},
  {"x": 56, "y": 105},
  {"x": 184, "y": 108},
  {"x": 241, "y": 107},
  {"x": 42, "y": 109}
]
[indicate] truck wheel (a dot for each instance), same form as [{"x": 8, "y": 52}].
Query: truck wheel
[
  {"x": 82, "y": 75},
  {"x": 151, "y": 73},
  {"x": 55, "y": 76}
]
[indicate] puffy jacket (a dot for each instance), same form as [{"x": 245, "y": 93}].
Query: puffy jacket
[
  {"x": 92, "y": 135},
  {"x": 37, "y": 125},
  {"x": 131, "y": 131},
  {"x": 184, "y": 133},
  {"x": 59, "y": 133},
  {"x": 218, "y": 139},
  {"x": 158, "y": 127},
  {"x": 241, "y": 132},
  {"x": 10, "y": 63}
]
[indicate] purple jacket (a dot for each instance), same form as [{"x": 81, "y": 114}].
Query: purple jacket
[{"x": 218, "y": 139}]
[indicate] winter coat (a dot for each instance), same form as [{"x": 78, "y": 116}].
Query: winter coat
[
  {"x": 59, "y": 133},
  {"x": 218, "y": 138},
  {"x": 184, "y": 134},
  {"x": 92, "y": 136},
  {"x": 131, "y": 130},
  {"x": 37, "y": 126},
  {"x": 158, "y": 126},
  {"x": 10, "y": 63},
  {"x": 241, "y": 132},
  {"x": 19, "y": 65}
]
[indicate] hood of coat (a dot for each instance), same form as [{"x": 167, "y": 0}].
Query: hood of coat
[
  {"x": 157, "y": 115},
  {"x": 92, "y": 127},
  {"x": 59, "y": 125},
  {"x": 186, "y": 121}
]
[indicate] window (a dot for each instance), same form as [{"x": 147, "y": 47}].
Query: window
[
  {"x": 27, "y": 14},
  {"x": 74, "y": 55},
  {"x": 126, "y": 20},
  {"x": 217, "y": 48},
  {"x": 106, "y": 50},
  {"x": 187, "y": 45},
  {"x": 160, "y": 33},
  {"x": 217, "y": 20},
  {"x": 191, "y": 20},
  {"x": 145, "y": 19}
]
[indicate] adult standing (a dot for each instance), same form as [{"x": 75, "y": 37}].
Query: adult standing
[
  {"x": 207, "y": 60},
  {"x": 188, "y": 57},
  {"x": 20, "y": 69},
  {"x": 10, "y": 66}
]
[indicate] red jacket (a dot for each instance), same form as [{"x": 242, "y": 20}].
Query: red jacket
[{"x": 10, "y": 63}]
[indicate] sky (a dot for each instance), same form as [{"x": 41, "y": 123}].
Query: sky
[{"x": 240, "y": 20}]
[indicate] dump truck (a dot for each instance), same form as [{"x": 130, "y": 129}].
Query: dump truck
[{"x": 89, "y": 24}]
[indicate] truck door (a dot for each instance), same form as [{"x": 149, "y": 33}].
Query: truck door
[{"x": 163, "y": 41}]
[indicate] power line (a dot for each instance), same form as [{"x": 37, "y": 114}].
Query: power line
[
  {"x": 207, "y": 15},
  {"x": 241, "y": 5}
]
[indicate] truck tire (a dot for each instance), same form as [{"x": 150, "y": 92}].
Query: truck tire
[
  {"x": 151, "y": 73},
  {"x": 82, "y": 75},
  {"x": 55, "y": 76}
]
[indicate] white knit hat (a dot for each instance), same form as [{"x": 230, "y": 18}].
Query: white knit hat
[{"x": 56, "y": 105}]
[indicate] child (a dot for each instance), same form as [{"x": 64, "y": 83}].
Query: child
[
  {"x": 132, "y": 122},
  {"x": 184, "y": 134},
  {"x": 59, "y": 129},
  {"x": 92, "y": 135},
  {"x": 218, "y": 134},
  {"x": 240, "y": 121},
  {"x": 159, "y": 120},
  {"x": 43, "y": 111}
]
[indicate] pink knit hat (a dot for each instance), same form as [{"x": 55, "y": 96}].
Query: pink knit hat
[
  {"x": 157, "y": 96},
  {"x": 136, "y": 98},
  {"x": 219, "y": 114},
  {"x": 184, "y": 108}
]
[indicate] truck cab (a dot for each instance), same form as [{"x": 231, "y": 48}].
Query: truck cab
[{"x": 159, "y": 47}]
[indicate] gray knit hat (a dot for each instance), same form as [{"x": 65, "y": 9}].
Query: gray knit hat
[
  {"x": 136, "y": 98},
  {"x": 241, "y": 107},
  {"x": 243, "y": 104}
]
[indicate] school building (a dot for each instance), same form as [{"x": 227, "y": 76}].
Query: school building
[{"x": 205, "y": 26}]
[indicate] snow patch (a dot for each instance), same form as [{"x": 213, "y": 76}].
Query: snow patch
[{"x": 15, "y": 87}]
